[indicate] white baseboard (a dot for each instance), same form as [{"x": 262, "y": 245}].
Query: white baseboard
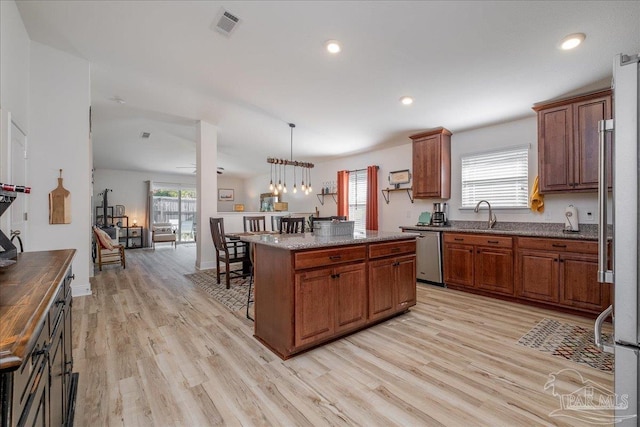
[
  {"x": 206, "y": 265},
  {"x": 80, "y": 290}
]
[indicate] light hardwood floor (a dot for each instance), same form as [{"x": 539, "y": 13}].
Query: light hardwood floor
[{"x": 152, "y": 349}]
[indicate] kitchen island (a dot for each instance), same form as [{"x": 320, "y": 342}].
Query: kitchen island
[{"x": 310, "y": 290}]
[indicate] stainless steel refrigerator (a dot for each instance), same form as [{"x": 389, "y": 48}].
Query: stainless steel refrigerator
[{"x": 625, "y": 257}]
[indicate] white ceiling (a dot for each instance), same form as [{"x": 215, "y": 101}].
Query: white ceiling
[{"x": 467, "y": 64}]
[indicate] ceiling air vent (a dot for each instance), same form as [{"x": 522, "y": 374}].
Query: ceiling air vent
[
  {"x": 225, "y": 22},
  {"x": 145, "y": 135}
]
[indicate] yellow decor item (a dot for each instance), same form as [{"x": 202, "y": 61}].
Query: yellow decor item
[
  {"x": 537, "y": 199},
  {"x": 238, "y": 208}
]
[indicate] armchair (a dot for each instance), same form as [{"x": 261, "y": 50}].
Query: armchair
[{"x": 162, "y": 232}]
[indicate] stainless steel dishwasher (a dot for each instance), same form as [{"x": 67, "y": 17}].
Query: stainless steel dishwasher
[{"x": 429, "y": 257}]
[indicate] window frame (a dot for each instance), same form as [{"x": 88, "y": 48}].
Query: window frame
[{"x": 518, "y": 179}]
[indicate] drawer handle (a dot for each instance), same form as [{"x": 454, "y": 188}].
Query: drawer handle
[
  {"x": 38, "y": 352},
  {"x": 335, "y": 276},
  {"x": 493, "y": 241},
  {"x": 458, "y": 239},
  {"x": 395, "y": 249},
  {"x": 557, "y": 245},
  {"x": 335, "y": 257}
]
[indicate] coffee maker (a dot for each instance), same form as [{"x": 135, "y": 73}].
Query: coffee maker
[{"x": 439, "y": 215}]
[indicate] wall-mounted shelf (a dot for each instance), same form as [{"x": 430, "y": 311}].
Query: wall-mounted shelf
[
  {"x": 386, "y": 191},
  {"x": 320, "y": 197}
]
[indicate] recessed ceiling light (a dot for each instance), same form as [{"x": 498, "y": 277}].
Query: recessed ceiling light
[
  {"x": 333, "y": 46},
  {"x": 572, "y": 41},
  {"x": 406, "y": 100}
]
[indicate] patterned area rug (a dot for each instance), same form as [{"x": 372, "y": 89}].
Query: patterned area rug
[
  {"x": 567, "y": 341},
  {"x": 234, "y": 298}
]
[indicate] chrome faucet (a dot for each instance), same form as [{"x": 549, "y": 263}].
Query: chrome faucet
[{"x": 492, "y": 216}]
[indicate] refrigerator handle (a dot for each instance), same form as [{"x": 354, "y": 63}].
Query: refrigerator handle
[
  {"x": 597, "y": 331},
  {"x": 604, "y": 274}
]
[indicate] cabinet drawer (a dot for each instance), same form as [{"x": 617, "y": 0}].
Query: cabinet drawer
[
  {"x": 56, "y": 307},
  {"x": 26, "y": 376},
  {"x": 324, "y": 257},
  {"x": 558, "y": 245},
  {"x": 479, "y": 240},
  {"x": 378, "y": 250}
]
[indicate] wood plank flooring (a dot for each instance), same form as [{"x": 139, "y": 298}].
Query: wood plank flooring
[{"x": 152, "y": 349}]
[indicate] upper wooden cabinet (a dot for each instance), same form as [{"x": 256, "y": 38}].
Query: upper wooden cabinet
[
  {"x": 568, "y": 142},
  {"x": 432, "y": 164}
]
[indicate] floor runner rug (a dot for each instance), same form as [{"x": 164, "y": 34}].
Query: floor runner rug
[
  {"x": 234, "y": 298},
  {"x": 568, "y": 341}
]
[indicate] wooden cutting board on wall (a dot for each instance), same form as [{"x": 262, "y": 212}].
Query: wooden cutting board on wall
[{"x": 60, "y": 204}]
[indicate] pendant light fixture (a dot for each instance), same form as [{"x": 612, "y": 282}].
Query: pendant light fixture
[{"x": 281, "y": 168}]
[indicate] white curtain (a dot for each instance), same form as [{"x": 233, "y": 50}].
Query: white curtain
[{"x": 149, "y": 213}]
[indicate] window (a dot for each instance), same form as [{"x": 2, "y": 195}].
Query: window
[
  {"x": 176, "y": 204},
  {"x": 358, "y": 200},
  {"x": 501, "y": 177}
]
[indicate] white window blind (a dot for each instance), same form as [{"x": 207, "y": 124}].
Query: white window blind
[
  {"x": 500, "y": 177},
  {"x": 358, "y": 200}
]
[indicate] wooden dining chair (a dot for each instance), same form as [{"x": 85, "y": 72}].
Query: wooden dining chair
[
  {"x": 289, "y": 225},
  {"x": 254, "y": 223},
  {"x": 275, "y": 222},
  {"x": 228, "y": 252}
]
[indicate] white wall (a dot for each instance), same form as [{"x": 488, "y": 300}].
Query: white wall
[
  {"x": 59, "y": 101},
  {"x": 400, "y": 211},
  {"x": 14, "y": 64},
  {"x": 14, "y": 91},
  {"x": 237, "y": 185}
]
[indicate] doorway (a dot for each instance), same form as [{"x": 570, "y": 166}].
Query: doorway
[{"x": 176, "y": 204}]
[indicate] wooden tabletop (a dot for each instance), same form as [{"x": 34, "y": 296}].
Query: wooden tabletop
[{"x": 26, "y": 292}]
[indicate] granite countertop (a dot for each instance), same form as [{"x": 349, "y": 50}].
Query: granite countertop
[
  {"x": 310, "y": 241},
  {"x": 529, "y": 229}
]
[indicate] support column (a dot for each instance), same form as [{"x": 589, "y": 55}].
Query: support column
[{"x": 207, "y": 187}]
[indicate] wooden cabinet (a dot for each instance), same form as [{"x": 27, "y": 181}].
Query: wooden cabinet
[
  {"x": 329, "y": 301},
  {"x": 458, "y": 264},
  {"x": 479, "y": 261},
  {"x": 432, "y": 164},
  {"x": 37, "y": 386},
  {"x": 392, "y": 278},
  {"x": 306, "y": 297},
  {"x": 562, "y": 272},
  {"x": 568, "y": 142},
  {"x": 392, "y": 286}
]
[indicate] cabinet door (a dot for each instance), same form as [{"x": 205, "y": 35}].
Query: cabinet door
[
  {"x": 494, "y": 270},
  {"x": 313, "y": 306},
  {"x": 381, "y": 289},
  {"x": 555, "y": 158},
  {"x": 586, "y": 115},
  {"x": 405, "y": 283},
  {"x": 579, "y": 287},
  {"x": 458, "y": 264},
  {"x": 426, "y": 161},
  {"x": 350, "y": 287},
  {"x": 57, "y": 397},
  {"x": 538, "y": 275}
]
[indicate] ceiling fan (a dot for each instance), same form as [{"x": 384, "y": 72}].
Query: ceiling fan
[{"x": 220, "y": 170}]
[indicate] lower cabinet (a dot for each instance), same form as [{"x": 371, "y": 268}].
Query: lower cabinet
[
  {"x": 392, "y": 286},
  {"x": 39, "y": 392},
  {"x": 479, "y": 261},
  {"x": 562, "y": 272},
  {"x": 329, "y": 301},
  {"x": 310, "y": 296}
]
